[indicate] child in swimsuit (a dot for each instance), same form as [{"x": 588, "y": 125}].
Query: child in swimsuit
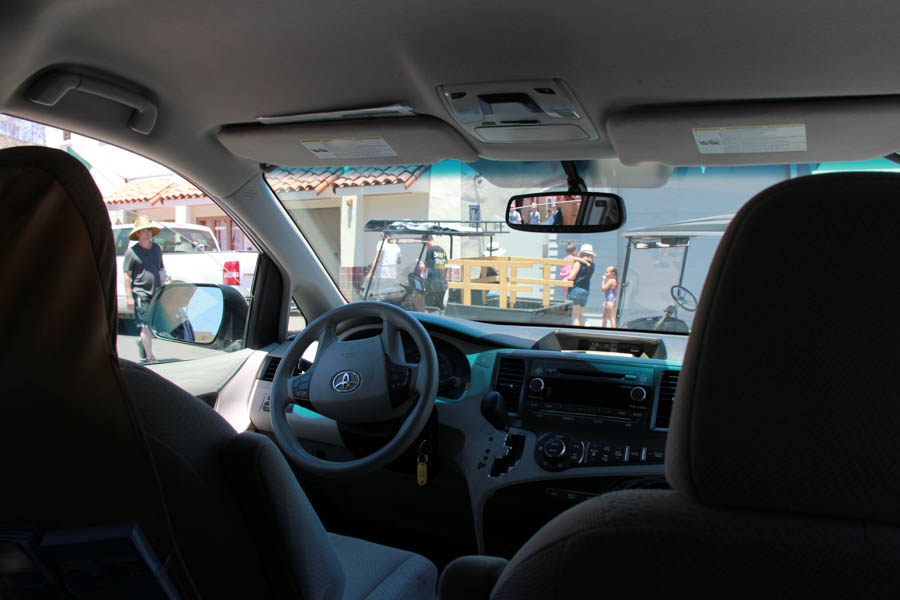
[{"x": 610, "y": 286}]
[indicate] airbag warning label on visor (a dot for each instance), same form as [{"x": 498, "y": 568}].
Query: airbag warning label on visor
[
  {"x": 374, "y": 147},
  {"x": 755, "y": 139}
]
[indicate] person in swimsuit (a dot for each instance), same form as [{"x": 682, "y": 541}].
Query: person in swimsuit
[
  {"x": 610, "y": 287},
  {"x": 580, "y": 275}
]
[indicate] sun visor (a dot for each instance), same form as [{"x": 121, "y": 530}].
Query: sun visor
[
  {"x": 359, "y": 142},
  {"x": 808, "y": 131}
]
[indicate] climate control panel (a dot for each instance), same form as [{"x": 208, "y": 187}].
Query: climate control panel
[{"x": 558, "y": 452}]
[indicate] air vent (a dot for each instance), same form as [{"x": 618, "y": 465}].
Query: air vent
[
  {"x": 509, "y": 382},
  {"x": 666, "y": 399},
  {"x": 269, "y": 373}
]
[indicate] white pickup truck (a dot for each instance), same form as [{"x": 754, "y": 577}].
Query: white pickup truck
[{"x": 190, "y": 253}]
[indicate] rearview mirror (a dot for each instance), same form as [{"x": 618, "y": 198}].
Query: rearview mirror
[{"x": 552, "y": 212}]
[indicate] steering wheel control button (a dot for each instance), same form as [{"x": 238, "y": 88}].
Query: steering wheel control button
[
  {"x": 398, "y": 383},
  {"x": 300, "y": 388},
  {"x": 345, "y": 382}
]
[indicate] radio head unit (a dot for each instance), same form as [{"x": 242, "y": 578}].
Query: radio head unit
[{"x": 602, "y": 392}]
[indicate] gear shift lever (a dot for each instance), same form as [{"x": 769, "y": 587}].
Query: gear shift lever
[{"x": 494, "y": 410}]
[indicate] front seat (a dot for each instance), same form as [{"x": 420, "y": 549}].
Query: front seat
[
  {"x": 783, "y": 448},
  {"x": 88, "y": 440}
]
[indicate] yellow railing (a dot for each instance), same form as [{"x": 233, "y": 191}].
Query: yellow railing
[{"x": 507, "y": 280}]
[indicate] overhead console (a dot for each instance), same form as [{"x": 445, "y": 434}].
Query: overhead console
[
  {"x": 589, "y": 411},
  {"x": 515, "y": 112}
]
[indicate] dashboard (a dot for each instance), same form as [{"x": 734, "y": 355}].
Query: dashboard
[{"x": 531, "y": 420}]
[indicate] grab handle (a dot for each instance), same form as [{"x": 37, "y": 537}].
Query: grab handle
[{"x": 50, "y": 88}]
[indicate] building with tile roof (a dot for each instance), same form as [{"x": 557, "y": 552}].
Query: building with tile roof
[
  {"x": 153, "y": 191},
  {"x": 317, "y": 193},
  {"x": 299, "y": 183}
]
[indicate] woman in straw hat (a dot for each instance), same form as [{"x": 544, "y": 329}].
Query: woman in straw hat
[
  {"x": 580, "y": 275},
  {"x": 143, "y": 269}
]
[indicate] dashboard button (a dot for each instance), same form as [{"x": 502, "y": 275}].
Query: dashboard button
[
  {"x": 536, "y": 385},
  {"x": 554, "y": 448}
]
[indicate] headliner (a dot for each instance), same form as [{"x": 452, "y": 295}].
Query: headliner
[{"x": 226, "y": 62}]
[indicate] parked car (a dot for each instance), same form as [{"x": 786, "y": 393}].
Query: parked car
[{"x": 191, "y": 253}]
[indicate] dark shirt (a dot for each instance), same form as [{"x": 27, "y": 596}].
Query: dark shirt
[
  {"x": 436, "y": 262},
  {"x": 583, "y": 278},
  {"x": 144, "y": 266}
]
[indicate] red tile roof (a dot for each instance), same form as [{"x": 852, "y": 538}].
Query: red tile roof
[
  {"x": 302, "y": 180},
  {"x": 319, "y": 179},
  {"x": 171, "y": 187},
  {"x": 153, "y": 190}
]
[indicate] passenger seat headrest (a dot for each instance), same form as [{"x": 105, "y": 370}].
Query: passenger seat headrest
[{"x": 787, "y": 399}]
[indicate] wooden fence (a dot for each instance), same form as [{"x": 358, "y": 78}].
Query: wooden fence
[{"x": 507, "y": 281}]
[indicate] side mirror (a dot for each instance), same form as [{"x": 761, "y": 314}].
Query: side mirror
[
  {"x": 202, "y": 314},
  {"x": 564, "y": 212}
]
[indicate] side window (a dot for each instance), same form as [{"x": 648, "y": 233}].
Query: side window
[
  {"x": 190, "y": 322},
  {"x": 146, "y": 200},
  {"x": 296, "y": 320}
]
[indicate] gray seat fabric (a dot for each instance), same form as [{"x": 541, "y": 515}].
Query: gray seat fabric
[
  {"x": 377, "y": 572},
  {"x": 199, "y": 453},
  {"x": 781, "y": 452},
  {"x": 234, "y": 492},
  {"x": 121, "y": 444},
  {"x": 470, "y": 577}
]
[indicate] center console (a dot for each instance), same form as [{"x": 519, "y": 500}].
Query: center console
[{"x": 590, "y": 411}]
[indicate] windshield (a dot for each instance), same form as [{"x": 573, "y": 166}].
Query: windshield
[{"x": 433, "y": 238}]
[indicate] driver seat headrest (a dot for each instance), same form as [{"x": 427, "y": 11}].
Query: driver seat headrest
[
  {"x": 785, "y": 400},
  {"x": 80, "y": 455}
]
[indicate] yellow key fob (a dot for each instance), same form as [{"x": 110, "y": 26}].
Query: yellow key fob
[{"x": 422, "y": 473}]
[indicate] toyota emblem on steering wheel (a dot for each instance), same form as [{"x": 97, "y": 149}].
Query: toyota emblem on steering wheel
[{"x": 345, "y": 381}]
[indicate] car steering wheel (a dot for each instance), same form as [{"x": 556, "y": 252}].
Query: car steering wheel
[
  {"x": 684, "y": 298},
  {"x": 357, "y": 381}
]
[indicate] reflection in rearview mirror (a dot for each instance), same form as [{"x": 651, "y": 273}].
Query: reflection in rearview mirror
[
  {"x": 560, "y": 212},
  {"x": 600, "y": 211}
]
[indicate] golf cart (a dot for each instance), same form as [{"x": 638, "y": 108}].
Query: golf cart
[
  {"x": 652, "y": 285},
  {"x": 406, "y": 284},
  {"x": 478, "y": 288}
]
